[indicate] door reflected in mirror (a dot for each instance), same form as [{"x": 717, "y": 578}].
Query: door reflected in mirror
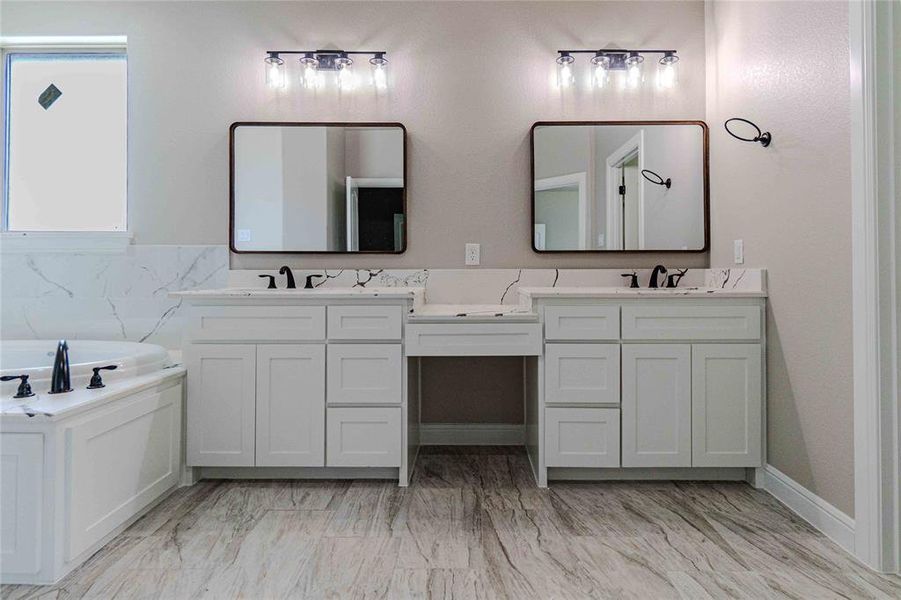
[
  {"x": 620, "y": 186},
  {"x": 318, "y": 187}
]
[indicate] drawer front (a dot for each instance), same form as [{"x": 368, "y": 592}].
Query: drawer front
[
  {"x": 364, "y": 374},
  {"x": 691, "y": 322},
  {"x": 473, "y": 339},
  {"x": 363, "y": 437},
  {"x": 248, "y": 323},
  {"x": 582, "y": 373},
  {"x": 581, "y": 322},
  {"x": 364, "y": 322},
  {"x": 582, "y": 437}
]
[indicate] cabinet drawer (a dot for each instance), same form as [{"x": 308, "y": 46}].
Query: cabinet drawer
[
  {"x": 247, "y": 323},
  {"x": 582, "y": 373},
  {"x": 473, "y": 339},
  {"x": 581, "y": 437},
  {"x": 364, "y": 322},
  {"x": 364, "y": 374},
  {"x": 363, "y": 437},
  {"x": 581, "y": 322},
  {"x": 661, "y": 322}
]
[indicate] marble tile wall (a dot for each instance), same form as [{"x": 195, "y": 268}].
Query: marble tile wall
[
  {"x": 104, "y": 296},
  {"x": 126, "y": 296}
]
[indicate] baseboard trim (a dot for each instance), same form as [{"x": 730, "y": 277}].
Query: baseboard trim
[
  {"x": 829, "y": 520},
  {"x": 471, "y": 434}
]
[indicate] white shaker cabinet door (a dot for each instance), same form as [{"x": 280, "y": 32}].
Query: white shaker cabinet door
[
  {"x": 221, "y": 399},
  {"x": 656, "y": 405},
  {"x": 290, "y": 413},
  {"x": 727, "y": 405}
]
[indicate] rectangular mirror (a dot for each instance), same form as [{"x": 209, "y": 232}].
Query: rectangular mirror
[
  {"x": 318, "y": 187},
  {"x": 627, "y": 186}
]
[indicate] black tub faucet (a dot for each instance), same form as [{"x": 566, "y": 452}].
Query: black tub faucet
[
  {"x": 658, "y": 270},
  {"x": 286, "y": 270},
  {"x": 60, "y": 380}
]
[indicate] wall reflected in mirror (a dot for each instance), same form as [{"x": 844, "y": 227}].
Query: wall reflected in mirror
[
  {"x": 628, "y": 186},
  {"x": 308, "y": 187}
]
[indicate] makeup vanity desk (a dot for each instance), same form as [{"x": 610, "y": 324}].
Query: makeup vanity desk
[{"x": 619, "y": 383}]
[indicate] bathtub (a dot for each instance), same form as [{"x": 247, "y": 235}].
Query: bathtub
[
  {"x": 81, "y": 467},
  {"x": 35, "y": 358}
]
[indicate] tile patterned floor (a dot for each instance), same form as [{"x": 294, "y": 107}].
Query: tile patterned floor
[{"x": 471, "y": 525}]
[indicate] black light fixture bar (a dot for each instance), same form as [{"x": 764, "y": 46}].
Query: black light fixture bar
[
  {"x": 327, "y": 58},
  {"x": 617, "y": 56}
]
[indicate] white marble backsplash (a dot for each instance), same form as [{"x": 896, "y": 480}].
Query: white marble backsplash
[
  {"x": 51, "y": 295},
  {"x": 498, "y": 286},
  {"x": 126, "y": 296}
]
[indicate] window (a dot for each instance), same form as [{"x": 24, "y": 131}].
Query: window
[{"x": 65, "y": 159}]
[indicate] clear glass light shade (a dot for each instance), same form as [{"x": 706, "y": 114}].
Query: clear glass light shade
[
  {"x": 634, "y": 75},
  {"x": 668, "y": 72},
  {"x": 379, "y": 72},
  {"x": 565, "y": 76},
  {"x": 346, "y": 78},
  {"x": 311, "y": 77},
  {"x": 275, "y": 72},
  {"x": 600, "y": 75}
]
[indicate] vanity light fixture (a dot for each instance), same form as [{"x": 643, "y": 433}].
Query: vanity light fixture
[
  {"x": 628, "y": 62},
  {"x": 764, "y": 137},
  {"x": 565, "y": 77},
  {"x": 315, "y": 63},
  {"x": 275, "y": 71},
  {"x": 656, "y": 179}
]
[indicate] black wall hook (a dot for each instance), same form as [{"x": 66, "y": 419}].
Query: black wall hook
[
  {"x": 656, "y": 179},
  {"x": 764, "y": 137}
]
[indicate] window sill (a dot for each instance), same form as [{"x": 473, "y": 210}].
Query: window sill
[{"x": 81, "y": 242}]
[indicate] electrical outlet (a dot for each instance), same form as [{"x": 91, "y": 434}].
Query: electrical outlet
[
  {"x": 738, "y": 247},
  {"x": 243, "y": 235},
  {"x": 473, "y": 252}
]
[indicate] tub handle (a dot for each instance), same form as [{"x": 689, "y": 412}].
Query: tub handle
[
  {"x": 24, "y": 390},
  {"x": 96, "y": 380}
]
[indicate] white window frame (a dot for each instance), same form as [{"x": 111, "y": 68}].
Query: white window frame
[{"x": 94, "y": 242}]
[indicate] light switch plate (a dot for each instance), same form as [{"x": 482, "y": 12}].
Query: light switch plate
[
  {"x": 738, "y": 247},
  {"x": 473, "y": 252}
]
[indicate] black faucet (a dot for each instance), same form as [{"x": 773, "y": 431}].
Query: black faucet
[
  {"x": 286, "y": 270},
  {"x": 309, "y": 284},
  {"x": 658, "y": 270},
  {"x": 60, "y": 380}
]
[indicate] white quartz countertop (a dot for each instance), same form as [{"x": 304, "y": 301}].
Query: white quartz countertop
[
  {"x": 323, "y": 293},
  {"x": 53, "y": 407},
  {"x": 527, "y": 294},
  {"x": 472, "y": 312}
]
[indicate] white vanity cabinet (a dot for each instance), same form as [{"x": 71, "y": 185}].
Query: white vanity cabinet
[
  {"x": 288, "y": 383},
  {"x": 648, "y": 383}
]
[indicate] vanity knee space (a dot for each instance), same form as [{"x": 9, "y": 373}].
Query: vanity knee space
[{"x": 654, "y": 384}]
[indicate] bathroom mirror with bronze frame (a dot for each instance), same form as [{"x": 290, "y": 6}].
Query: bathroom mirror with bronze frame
[
  {"x": 300, "y": 188},
  {"x": 620, "y": 186}
]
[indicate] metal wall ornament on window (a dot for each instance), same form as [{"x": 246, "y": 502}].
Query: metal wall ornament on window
[
  {"x": 316, "y": 64},
  {"x": 49, "y": 96}
]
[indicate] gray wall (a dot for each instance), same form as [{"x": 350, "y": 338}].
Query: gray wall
[
  {"x": 791, "y": 203},
  {"x": 467, "y": 79}
]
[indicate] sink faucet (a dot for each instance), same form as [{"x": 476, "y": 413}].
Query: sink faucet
[
  {"x": 658, "y": 270},
  {"x": 286, "y": 270},
  {"x": 60, "y": 381}
]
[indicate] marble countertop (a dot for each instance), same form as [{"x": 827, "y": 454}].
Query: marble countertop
[
  {"x": 58, "y": 406},
  {"x": 324, "y": 293},
  {"x": 527, "y": 294},
  {"x": 472, "y": 312}
]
